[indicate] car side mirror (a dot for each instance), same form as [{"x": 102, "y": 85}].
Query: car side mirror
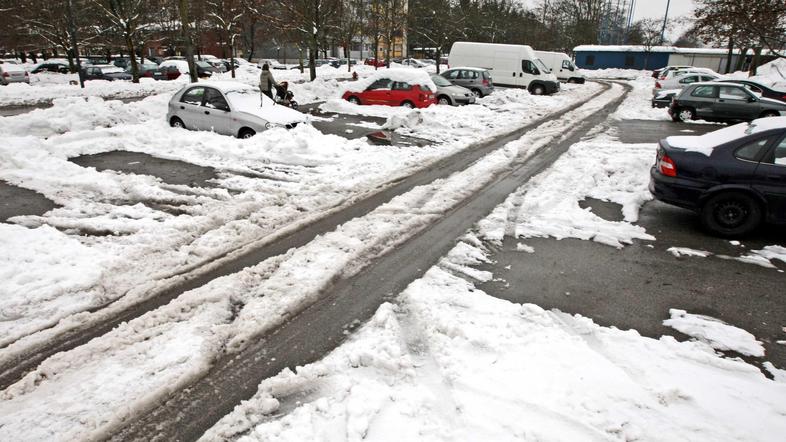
[{"x": 752, "y": 99}]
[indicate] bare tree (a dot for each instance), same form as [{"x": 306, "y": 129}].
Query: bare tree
[
  {"x": 227, "y": 14},
  {"x": 129, "y": 18}
]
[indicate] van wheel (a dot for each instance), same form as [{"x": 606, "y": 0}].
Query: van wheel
[
  {"x": 408, "y": 105},
  {"x": 177, "y": 122},
  {"x": 731, "y": 214},
  {"x": 246, "y": 133},
  {"x": 537, "y": 90},
  {"x": 477, "y": 93},
  {"x": 685, "y": 114},
  {"x": 444, "y": 100},
  {"x": 767, "y": 114}
]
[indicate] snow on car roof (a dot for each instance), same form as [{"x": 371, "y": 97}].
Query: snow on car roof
[
  {"x": 706, "y": 143},
  {"x": 411, "y": 76}
]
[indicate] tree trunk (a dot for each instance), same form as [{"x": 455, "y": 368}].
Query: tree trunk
[
  {"x": 439, "y": 57},
  {"x": 741, "y": 59},
  {"x": 232, "y": 59},
  {"x": 730, "y": 55},
  {"x": 755, "y": 61},
  {"x": 346, "y": 55},
  {"x": 186, "y": 34},
  {"x": 312, "y": 55},
  {"x": 132, "y": 52}
]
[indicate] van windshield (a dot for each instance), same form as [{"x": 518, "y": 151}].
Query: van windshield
[{"x": 542, "y": 66}]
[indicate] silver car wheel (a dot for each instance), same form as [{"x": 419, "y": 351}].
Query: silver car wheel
[
  {"x": 477, "y": 93},
  {"x": 686, "y": 115},
  {"x": 176, "y": 122},
  {"x": 444, "y": 100}
]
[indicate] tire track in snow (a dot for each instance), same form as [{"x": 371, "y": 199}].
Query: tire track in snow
[
  {"x": 318, "y": 328},
  {"x": 20, "y": 359}
]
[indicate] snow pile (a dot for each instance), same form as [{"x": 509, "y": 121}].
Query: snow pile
[
  {"x": 684, "y": 251},
  {"x": 24, "y": 94},
  {"x": 772, "y": 74},
  {"x": 549, "y": 204},
  {"x": 411, "y": 76},
  {"x": 78, "y": 114},
  {"x": 450, "y": 362},
  {"x": 765, "y": 256},
  {"x": 638, "y": 105},
  {"x": 716, "y": 333}
]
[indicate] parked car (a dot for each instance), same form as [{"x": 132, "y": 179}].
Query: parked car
[
  {"x": 735, "y": 178},
  {"x": 513, "y": 65},
  {"x": 402, "y": 91},
  {"x": 681, "y": 81},
  {"x": 722, "y": 102},
  {"x": 450, "y": 94},
  {"x": 760, "y": 89},
  {"x": 272, "y": 64},
  {"x": 668, "y": 75},
  {"x": 13, "y": 73},
  {"x": 562, "y": 66},
  {"x": 125, "y": 62},
  {"x": 476, "y": 80},
  {"x": 663, "y": 71},
  {"x": 228, "y": 108},
  {"x": 664, "y": 97},
  {"x": 49, "y": 66},
  {"x": 412, "y": 62},
  {"x": 204, "y": 69},
  {"x": 217, "y": 64},
  {"x": 106, "y": 72},
  {"x": 374, "y": 62},
  {"x": 151, "y": 70}
]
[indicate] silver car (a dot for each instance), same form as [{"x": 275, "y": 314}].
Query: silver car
[
  {"x": 13, "y": 73},
  {"x": 476, "y": 80},
  {"x": 228, "y": 108},
  {"x": 450, "y": 94}
]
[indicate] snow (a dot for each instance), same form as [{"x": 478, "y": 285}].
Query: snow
[
  {"x": 706, "y": 143},
  {"x": 684, "y": 251},
  {"x": 448, "y": 362},
  {"x": 714, "y": 332},
  {"x": 637, "y": 105}
]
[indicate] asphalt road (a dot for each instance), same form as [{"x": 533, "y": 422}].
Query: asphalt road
[{"x": 635, "y": 287}]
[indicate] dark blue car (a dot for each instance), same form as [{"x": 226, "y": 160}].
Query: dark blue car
[{"x": 735, "y": 178}]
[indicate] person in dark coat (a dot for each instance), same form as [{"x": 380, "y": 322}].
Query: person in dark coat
[{"x": 267, "y": 82}]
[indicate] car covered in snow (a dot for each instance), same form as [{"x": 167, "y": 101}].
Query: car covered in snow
[
  {"x": 13, "y": 73},
  {"x": 735, "y": 177},
  {"x": 228, "y": 108},
  {"x": 722, "y": 102},
  {"x": 411, "y": 88},
  {"x": 204, "y": 69}
]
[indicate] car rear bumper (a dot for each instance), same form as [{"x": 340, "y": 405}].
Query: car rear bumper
[{"x": 675, "y": 191}]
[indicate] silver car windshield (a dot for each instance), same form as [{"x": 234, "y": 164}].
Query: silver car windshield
[{"x": 441, "y": 81}]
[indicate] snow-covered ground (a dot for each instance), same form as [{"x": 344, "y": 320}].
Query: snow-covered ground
[{"x": 445, "y": 362}]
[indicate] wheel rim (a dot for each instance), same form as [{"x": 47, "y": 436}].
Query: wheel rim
[
  {"x": 178, "y": 124},
  {"x": 686, "y": 115},
  {"x": 354, "y": 100},
  {"x": 407, "y": 104},
  {"x": 731, "y": 213},
  {"x": 444, "y": 100},
  {"x": 537, "y": 91},
  {"x": 476, "y": 93}
]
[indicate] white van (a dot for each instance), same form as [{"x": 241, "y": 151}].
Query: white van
[
  {"x": 510, "y": 65},
  {"x": 562, "y": 66}
]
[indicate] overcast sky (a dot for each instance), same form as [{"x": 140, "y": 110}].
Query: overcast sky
[{"x": 657, "y": 9}]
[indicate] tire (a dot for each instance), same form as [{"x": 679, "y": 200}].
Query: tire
[
  {"x": 769, "y": 113},
  {"x": 537, "y": 90},
  {"x": 685, "y": 114},
  {"x": 177, "y": 122},
  {"x": 477, "y": 93},
  {"x": 731, "y": 214},
  {"x": 246, "y": 133},
  {"x": 353, "y": 99},
  {"x": 408, "y": 105},
  {"x": 444, "y": 100}
]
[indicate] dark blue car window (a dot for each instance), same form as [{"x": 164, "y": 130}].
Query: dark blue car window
[
  {"x": 752, "y": 151},
  {"x": 779, "y": 156}
]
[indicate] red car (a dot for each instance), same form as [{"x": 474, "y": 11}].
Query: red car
[
  {"x": 387, "y": 92},
  {"x": 374, "y": 62}
]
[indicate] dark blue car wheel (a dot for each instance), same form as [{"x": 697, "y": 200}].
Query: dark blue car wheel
[{"x": 731, "y": 214}]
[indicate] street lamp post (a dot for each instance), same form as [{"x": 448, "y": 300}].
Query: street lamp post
[{"x": 665, "y": 19}]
